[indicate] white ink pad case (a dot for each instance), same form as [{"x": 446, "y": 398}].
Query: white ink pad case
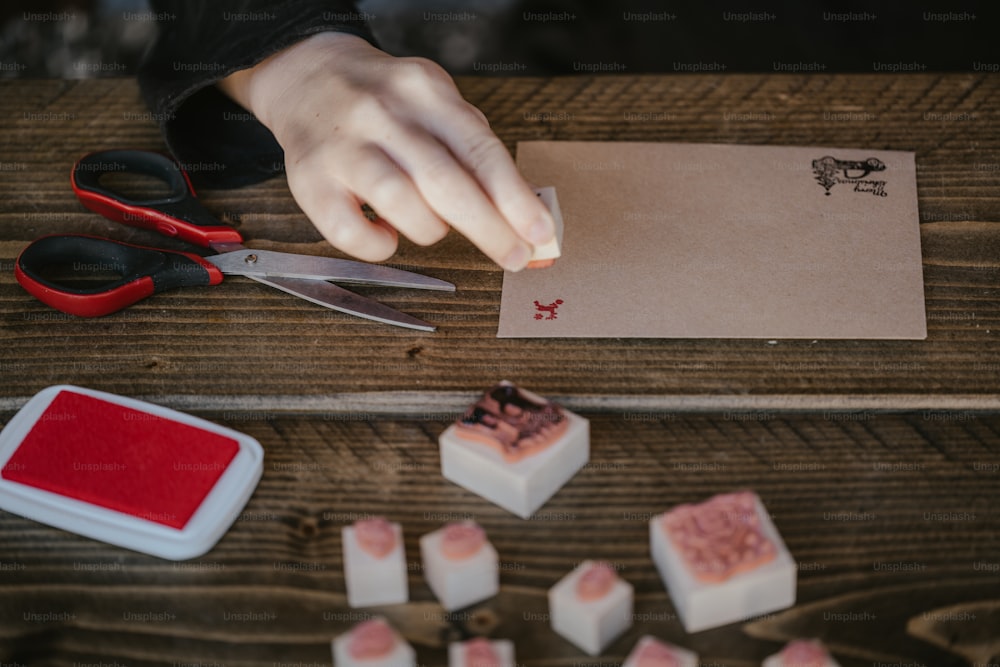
[{"x": 126, "y": 472}]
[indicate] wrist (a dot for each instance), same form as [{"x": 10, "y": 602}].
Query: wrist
[{"x": 261, "y": 89}]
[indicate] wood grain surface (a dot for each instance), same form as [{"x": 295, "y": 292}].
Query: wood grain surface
[
  {"x": 242, "y": 346},
  {"x": 892, "y": 519}
]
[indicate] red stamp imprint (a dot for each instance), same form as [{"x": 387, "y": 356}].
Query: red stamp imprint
[
  {"x": 479, "y": 652},
  {"x": 720, "y": 537},
  {"x": 596, "y": 581},
  {"x": 549, "y": 309},
  {"x": 513, "y": 422},
  {"x": 804, "y": 653}
]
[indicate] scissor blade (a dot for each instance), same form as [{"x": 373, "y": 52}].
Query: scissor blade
[
  {"x": 329, "y": 295},
  {"x": 271, "y": 264}
]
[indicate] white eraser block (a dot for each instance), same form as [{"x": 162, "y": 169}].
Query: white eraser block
[
  {"x": 801, "y": 653},
  {"x": 707, "y": 589},
  {"x": 462, "y": 575},
  {"x": 502, "y": 473},
  {"x": 374, "y": 579},
  {"x": 545, "y": 255},
  {"x": 481, "y": 653},
  {"x": 593, "y": 622},
  {"x": 651, "y": 652},
  {"x": 372, "y": 643}
]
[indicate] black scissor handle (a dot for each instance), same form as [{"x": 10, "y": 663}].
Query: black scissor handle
[
  {"x": 178, "y": 214},
  {"x": 139, "y": 272}
]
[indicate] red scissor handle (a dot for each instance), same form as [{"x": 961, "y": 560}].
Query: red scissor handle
[
  {"x": 51, "y": 269},
  {"x": 179, "y": 214}
]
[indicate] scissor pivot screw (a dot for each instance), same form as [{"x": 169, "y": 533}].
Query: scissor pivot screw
[{"x": 250, "y": 259}]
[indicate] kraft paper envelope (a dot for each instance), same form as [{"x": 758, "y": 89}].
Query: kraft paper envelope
[{"x": 716, "y": 241}]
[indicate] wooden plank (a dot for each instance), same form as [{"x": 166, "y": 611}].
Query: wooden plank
[
  {"x": 245, "y": 340},
  {"x": 892, "y": 519}
]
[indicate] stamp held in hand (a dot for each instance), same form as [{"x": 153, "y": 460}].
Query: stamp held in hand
[
  {"x": 722, "y": 560},
  {"x": 514, "y": 448},
  {"x": 546, "y": 255}
]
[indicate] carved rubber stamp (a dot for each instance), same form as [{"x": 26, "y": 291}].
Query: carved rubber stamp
[
  {"x": 514, "y": 448},
  {"x": 374, "y": 563},
  {"x": 546, "y": 255},
  {"x": 720, "y": 537},
  {"x": 481, "y": 652},
  {"x": 591, "y": 606},
  {"x": 372, "y": 643},
  {"x": 801, "y": 653},
  {"x": 460, "y": 565},
  {"x": 722, "y": 560},
  {"x": 651, "y": 652}
]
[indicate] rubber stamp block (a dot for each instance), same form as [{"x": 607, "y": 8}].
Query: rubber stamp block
[
  {"x": 372, "y": 643},
  {"x": 801, "y": 653},
  {"x": 460, "y": 565},
  {"x": 374, "y": 563},
  {"x": 481, "y": 652},
  {"x": 591, "y": 606},
  {"x": 722, "y": 560},
  {"x": 514, "y": 448},
  {"x": 651, "y": 652},
  {"x": 546, "y": 255}
]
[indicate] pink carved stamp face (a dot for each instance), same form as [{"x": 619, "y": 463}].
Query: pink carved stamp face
[
  {"x": 375, "y": 536},
  {"x": 371, "y": 640},
  {"x": 462, "y": 539},
  {"x": 657, "y": 654},
  {"x": 804, "y": 653},
  {"x": 514, "y": 423},
  {"x": 720, "y": 537},
  {"x": 479, "y": 652},
  {"x": 596, "y": 581}
]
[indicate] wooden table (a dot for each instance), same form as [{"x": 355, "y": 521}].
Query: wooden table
[{"x": 879, "y": 460}]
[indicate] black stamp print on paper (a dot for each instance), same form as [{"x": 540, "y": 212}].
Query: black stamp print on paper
[{"x": 830, "y": 171}]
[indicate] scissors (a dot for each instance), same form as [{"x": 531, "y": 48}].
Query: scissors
[{"x": 137, "y": 272}]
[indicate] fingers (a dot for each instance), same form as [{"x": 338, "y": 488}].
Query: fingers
[
  {"x": 453, "y": 193},
  {"x": 336, "y": 213},
  {"x": 474, "y": 162},
  {"x": 395, "y": 133},
  {"x": 486, "y": 158},
  {"x": 380, "y": 182}
]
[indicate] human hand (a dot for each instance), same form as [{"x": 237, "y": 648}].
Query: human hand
[{"x": 360, "y": 126}]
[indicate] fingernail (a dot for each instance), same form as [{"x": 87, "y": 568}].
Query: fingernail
[
  {"x": 517, "y": 259},
  {"x": 541, "y": 231}
]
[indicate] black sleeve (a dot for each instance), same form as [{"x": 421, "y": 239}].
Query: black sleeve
[{"x": 201, "y": 42}]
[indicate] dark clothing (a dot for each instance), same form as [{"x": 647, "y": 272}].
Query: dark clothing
[{"x": 201, "y": 42}]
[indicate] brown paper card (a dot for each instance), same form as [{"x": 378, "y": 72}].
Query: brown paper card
[{"x": 717, "y": 241}]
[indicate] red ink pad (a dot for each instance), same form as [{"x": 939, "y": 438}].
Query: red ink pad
[{"x": 126, "y": 472}]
